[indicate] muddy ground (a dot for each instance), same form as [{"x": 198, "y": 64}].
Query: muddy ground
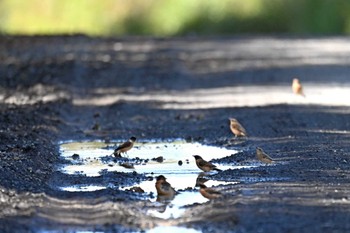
[{"x": 77, "y": 88}]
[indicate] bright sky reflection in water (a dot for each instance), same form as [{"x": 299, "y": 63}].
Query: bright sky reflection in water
[
  {"x": 171, "y": 151},
  {"x": 180, "y": 177},
  {"x": 172, "y": 229}
]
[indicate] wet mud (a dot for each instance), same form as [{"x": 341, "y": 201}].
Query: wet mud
[{"x": 62, "y": 88}]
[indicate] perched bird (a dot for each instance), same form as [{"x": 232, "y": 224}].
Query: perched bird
[
  {"x": 262, "y": 156},
  {"x": 164, "y": 189},
  {"x": 237, "y": 129},
  {"x": 297, "y": 87},
  {"x": 123, "y": 148},
  {"x": 204, "y": 165},
  {"x": 209, "y": 192}
]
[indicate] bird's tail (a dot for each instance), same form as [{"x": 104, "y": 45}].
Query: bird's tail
[{"x": 217, "y": 169}]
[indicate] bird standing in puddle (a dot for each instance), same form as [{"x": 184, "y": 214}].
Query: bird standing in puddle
[
  {"x": 209, "y": 193},
  {"x": 237, "y": 129},
  {"x": 164, "y": 189},
  {"x": 262, "y": 156},
  {"x": 123, "y": 148},
  {"x": 204, "y": 165}
]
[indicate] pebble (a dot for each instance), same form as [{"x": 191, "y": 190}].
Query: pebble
[
  {"x": 75, "y": 156},
  {"x": 159, "y": 159}
]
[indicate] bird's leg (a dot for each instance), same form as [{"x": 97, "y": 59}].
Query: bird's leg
[{"x": 126, "y": 153}]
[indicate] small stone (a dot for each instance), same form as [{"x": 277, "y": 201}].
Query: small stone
[
  {"x": 137, "y": 189},
  {"x": 75, "y": 156},
  {"x": 159, "y": 159},
  {"x": 127, "y": 165},
  {"x": 180, "y": 163}
]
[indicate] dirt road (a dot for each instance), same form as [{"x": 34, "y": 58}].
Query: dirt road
[{"x": 62, "y": 88}]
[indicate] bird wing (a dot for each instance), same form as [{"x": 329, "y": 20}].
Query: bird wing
[
  {"x": 166, "y": 186},
  {"x": 266, "y": 156},
  {"x": 212, "y": 191},
  {"x": 203, "y": 163},
  {"x": 124, "y": 145},
  {"x": 240, "y": 128}
]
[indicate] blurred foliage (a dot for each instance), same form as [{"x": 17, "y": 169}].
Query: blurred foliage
[{"x": 174, "y": 17}]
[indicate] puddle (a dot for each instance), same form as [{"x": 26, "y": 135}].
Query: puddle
[
  {"x": 174, "y": 208},
  {"x": 172, "y": 229},
  {"x": 92, "y": 161},
  {"x": 90, "y": 154},
  {"x": 159, "y": 229},
  {"x": 83, "y": 188}
]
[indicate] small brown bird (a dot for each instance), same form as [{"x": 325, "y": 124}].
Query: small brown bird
[
  {"x": 204, "y": 165},
  {"x": 237, "y": 129},
  {"x": 262, "y": 156},
  {"x": 123, "y": 148},
  {"x": 297, "y": 87},
  {"x": 164, "y": 188},
  {"x": 209, "y": 192}
]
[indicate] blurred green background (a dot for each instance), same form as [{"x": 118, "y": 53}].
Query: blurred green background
[{"x": 174, "y": 17}]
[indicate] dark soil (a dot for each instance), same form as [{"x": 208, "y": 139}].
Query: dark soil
[{"x": 49, "y": 90}]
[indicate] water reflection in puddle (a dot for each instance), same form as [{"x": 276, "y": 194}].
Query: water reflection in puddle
[
  {"x": 90, "y": 162},
  {"x": 172, "y": 229},
  {"x": 83, "y": 188},
  {"x": 174, "y": 208}
]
